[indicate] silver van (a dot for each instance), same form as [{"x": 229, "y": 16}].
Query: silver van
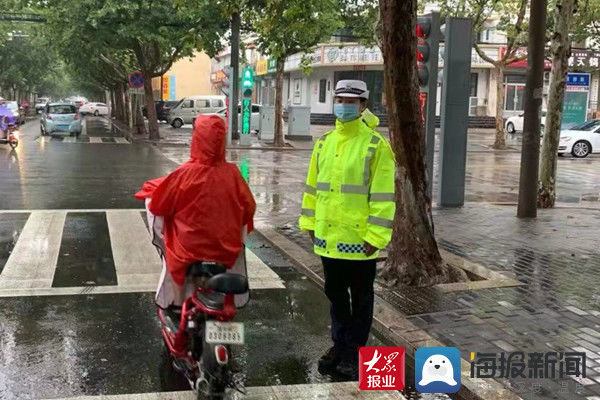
[{"x": 186, "y": 110}]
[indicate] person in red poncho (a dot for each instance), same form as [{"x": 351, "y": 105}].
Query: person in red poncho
[{"x": 205, "y": 204}]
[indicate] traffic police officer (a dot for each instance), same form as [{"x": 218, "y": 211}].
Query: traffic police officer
[{"x": 347, "y": 208}]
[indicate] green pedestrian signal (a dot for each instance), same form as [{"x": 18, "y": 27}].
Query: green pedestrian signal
[
  {"x": 247, "y": 78},
  {"x": 246, "y": 112},
  {"x": 247, "y": 81}
]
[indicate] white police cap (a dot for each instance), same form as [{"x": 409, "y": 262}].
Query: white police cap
[{"x": 351, "y": 88}]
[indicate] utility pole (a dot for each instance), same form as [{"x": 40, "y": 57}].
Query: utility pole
[
  {"x": 235, "y": 79},
  {"x": 530, "y": 152}
]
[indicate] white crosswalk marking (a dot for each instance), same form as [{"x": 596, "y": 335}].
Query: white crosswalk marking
[
  {"x": 92, "y": 139},
  {"x": 33, "y": 260},
  {"x": 30, "y": 268},
  {"x": 135, "y": 258}
]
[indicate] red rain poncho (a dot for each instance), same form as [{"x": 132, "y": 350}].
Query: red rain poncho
[{"x": 205, "y": 203}]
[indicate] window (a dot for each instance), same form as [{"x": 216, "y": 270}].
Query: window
[
  {"x": 62, "y": 109},
  {"x": 297, "y": 91},
  {"x": 322, "y": 90},
  {"x": 216, "y": 103},
  {"x": 203, "y": 104},
  {"x": 187, "y": 104},
  {"x": 474, "y": 78}
]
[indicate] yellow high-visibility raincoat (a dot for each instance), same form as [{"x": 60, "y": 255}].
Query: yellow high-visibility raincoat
[{"x": 349, "y": 195}]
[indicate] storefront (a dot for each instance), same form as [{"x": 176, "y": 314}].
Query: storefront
[{"x": 330, "y": 63}]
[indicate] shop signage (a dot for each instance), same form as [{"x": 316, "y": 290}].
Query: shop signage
[
  {"x": 584, "y": 59},
  {"x": 352, "y": 55},
  {"x": 165, "y": 87},
  {"x": 575, "y": 103},
  {"x": 521, "y": 52},
  {"x": 217, "y": 76},
  {"x": 271, "y": 65},
  {"x": 260, "y": 67}
]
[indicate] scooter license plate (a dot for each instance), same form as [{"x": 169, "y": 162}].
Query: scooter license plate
[{"x": 224, "y": 332}]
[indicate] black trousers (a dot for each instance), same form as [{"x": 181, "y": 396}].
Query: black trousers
[{"x": 349, "y": 287}]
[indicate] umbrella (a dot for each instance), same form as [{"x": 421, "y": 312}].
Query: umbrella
[{"x": 5, "y": 112}]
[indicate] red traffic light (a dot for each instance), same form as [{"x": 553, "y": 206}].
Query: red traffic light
[
  {"x": 423, "y": 28},
  {"x": 422, "y": 51}
]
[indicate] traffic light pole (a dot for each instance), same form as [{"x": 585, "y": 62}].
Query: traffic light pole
[
  {"x": 428, "y": 91},
  {"x": 456, "y": 84},
  {"x": 235, "y": 78}
]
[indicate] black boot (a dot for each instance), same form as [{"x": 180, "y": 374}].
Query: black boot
[
  {"x": 348, "y": 365},
  {"x": 331, "y": 359}
]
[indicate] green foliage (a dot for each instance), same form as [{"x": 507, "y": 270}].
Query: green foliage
[
  {"x": 286, "y": 27},
  {"x": 361, "y": 21}
]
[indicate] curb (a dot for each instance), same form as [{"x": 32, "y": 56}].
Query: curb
[{"x": 391, "y": 323}]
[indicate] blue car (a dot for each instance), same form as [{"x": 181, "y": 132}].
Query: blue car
[{"x": 60, "y": 118}]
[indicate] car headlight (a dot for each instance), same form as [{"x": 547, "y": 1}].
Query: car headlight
[{"x": 565, "y": 138}]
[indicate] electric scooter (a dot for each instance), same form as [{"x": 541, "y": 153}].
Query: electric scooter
[
  {"x": 12, "y": 138},
  {"x": 199, "y": 343}
]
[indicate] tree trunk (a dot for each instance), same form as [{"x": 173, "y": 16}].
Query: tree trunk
[
  {"x": 140, "y": 124},
  {"x": 414, "y": 258},
  {"x": 150, "y": 108},
  {"x": 279, "y": 142},
  {"x": 499, "y": 142},
  {"x": 560, "y": 48},
  {"x": 532, "y": 100},
  {"x": 120, "y": 105}
]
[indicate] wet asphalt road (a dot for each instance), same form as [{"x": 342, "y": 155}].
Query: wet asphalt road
[
  {"x": 59, "y": 175},
  {"x": 68, "y": 345}
]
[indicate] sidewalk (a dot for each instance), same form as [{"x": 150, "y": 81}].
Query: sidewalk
[
  {"x": 478, "y": 140},
  {"x": 552, "y": 260}
]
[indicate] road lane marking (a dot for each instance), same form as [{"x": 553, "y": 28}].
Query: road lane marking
[
  {"x": 261, "y": 276},
  {"x": 70, "y": 140},
  {"x": 33, "y": 260},
  {"x": 121, "y": 140},
  {"x": 95, "y": 139},
  {"x": 136, "y": 259}
]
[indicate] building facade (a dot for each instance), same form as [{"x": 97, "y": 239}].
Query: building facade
[{"x": 186, "y": 77}]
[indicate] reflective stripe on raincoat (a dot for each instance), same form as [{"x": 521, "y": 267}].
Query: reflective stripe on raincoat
[
  {"x": 349, "y": 194},
  {"x": 205, "y": 203}
]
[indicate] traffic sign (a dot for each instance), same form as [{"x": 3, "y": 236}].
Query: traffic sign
[{"x": 136, "y": 79}]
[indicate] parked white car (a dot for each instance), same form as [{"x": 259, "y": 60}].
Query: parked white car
[
  {"x": 94, "y": 108},
  {"x": 254, "y": 117},
  {"x": 581, "y": 140},
  {"x": 514, "y": 124}
]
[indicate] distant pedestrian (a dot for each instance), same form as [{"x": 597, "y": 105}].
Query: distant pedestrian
[{"x": 348, "y": 208}]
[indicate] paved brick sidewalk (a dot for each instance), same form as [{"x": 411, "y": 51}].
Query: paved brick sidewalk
[{"x": 555, "y": 257}]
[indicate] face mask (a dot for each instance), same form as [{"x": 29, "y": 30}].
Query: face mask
[{"x": 346, "y": 111}]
